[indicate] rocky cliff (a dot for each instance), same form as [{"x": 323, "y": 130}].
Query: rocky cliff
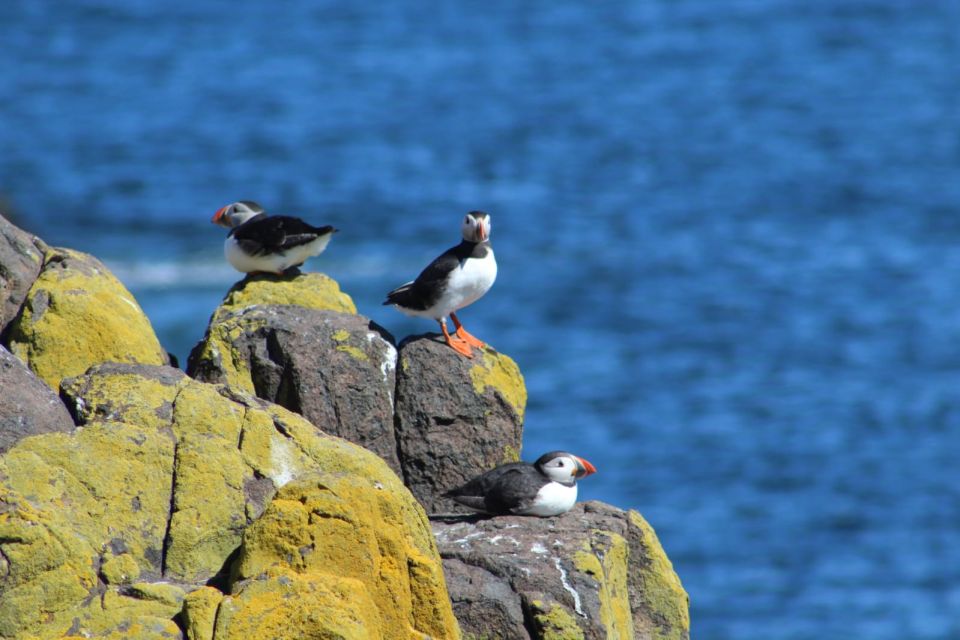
[{"x": 279, "y": 490}]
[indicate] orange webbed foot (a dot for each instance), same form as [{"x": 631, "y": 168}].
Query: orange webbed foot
[
  {"x": 460, "y": 347},
  {"x": 469, "y": 339},
  {"x": 456, "y": 343}
]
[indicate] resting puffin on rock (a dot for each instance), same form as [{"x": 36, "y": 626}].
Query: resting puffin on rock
[
  {"x": 548, "y": 487},
  {"x": 458, "y": 277},
  {"x": 269, "y": 244}
]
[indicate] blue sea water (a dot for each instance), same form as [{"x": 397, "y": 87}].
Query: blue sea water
[{"x": 728, "y": 239}]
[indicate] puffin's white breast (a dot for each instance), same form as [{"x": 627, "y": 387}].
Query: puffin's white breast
[
  {"x": 552, "y": 500},
  {"x": 468, "y": 282},
  {"x": 272, "y": 262}
]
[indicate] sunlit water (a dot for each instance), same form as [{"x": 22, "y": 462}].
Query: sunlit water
[{"x": 727, "y": 236}]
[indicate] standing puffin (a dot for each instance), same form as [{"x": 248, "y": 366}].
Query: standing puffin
[
  {"x": 458, "y": 277},
  {"x": 269, "y": 244},
  {"x": 548, "y": 487}
]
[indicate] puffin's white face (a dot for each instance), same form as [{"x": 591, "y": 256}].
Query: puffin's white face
[
  {"x": 565, "y": 467},
  {"x": 476, "y": 227},
  {"x": 234, "y": 215}
]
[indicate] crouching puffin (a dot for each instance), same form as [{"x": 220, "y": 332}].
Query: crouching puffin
[
  {"x": 268, "y": 244},
  {"x": 548, "y": 487},
  {"x": 458, "y": 277}
]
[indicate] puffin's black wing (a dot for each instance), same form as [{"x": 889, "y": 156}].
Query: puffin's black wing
[
  {"x": 428, "y": 288},
  {"x": 516, "y": 491},
  {"x": 500, "y": 491},
  {"x": 275, "y": 234}
]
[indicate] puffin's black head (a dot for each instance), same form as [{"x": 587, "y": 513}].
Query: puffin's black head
[
  {"x": 234, "y": 215},
  {"x": 476, "y": 226},
  {"x": 561, "y": 466}
]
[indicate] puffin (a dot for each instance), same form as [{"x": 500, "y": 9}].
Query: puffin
[
  {"x": 258, "y": 243},
  {"x": 456, "y": 278},
  {"x": 548, "y": 487}
]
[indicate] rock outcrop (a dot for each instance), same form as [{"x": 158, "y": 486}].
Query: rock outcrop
[
  {"x": 21, "y": 256},
  {"x": 595, "y": 572},
  {"x": 299, "y": 343},
  {"x": 77, "y": 314},
  {"x": 456, "y": 418},
  {"x": 27, "y": 405},
  {"x": 339, "y": 547},
  {"x": 143, "y": 503},
  {"x": 113, "y": 527}
]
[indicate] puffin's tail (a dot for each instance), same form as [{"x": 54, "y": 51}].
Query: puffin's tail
[
  {"x": 324, "y": 230},
  {"x": 400, "y": 295},
  {"x": 477, "y": 503}
]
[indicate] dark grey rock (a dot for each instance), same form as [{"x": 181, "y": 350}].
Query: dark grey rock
[
  {"x": 21, "y": 257},
  {"x": 335, "y": 369},
  {"x": 450, "y": 425},
  {"x": 27, "y": 405},
  {"x": 594, "y": 572},
  {"x": 485, "y": 605}
]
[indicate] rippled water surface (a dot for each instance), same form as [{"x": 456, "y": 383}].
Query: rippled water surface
[{"x": 728, "y": 239}]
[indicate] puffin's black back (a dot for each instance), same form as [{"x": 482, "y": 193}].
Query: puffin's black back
[
  {"x": 430, "y": 285},
  {"x": 500, "y": 491},
  {"x": 273, "y": 234}
]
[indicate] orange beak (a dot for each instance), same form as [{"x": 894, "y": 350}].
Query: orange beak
[
  {"x": 483, "y": 232},
  {"x": 218, "y": 216},
  {"x": 584, "y": 468}
]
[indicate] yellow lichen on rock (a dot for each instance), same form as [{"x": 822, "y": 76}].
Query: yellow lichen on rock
[
  {"x": 91, "y": 520},
  {"x": 289, "y": 606},
  {"x": 78, "y": 314},
  {"x": 510, "y": 454},
  {"x": 663, "y": 595},
  {"x": 501, "y": 373},
  {"x": 604, "y": 558},
  {"x": 119, "y": 569},
  {"x": 332, "y": 527},
  {"x": 311, "y": 290},
  {"x": 208, "y": 497},
  {"x": 218, "y": 358},
  {"x": 64, "y": 513},
  {"x": 200, "y": 612},
  {"x": 218, "y": 349},
  {"x": 554, "y": 622},
  {"x": 121, "y": 394},
  {"x": 116, "y": 616},
  {"x": 125, "y": 498},
  {"x": 47, "y": 570}
]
